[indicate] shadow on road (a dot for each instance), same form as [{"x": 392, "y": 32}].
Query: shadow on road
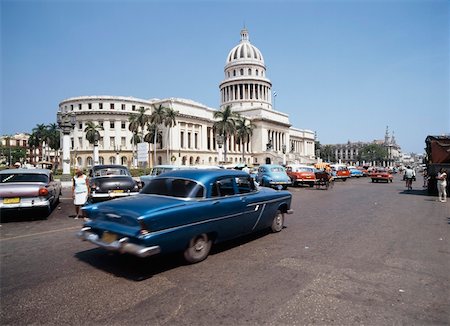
[
  {"x": 416, "y": 192},
  {"x": 139, "y": 269},
  {"x": 23, "y": 216}
]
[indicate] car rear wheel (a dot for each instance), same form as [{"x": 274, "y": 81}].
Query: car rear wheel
[
  {"x": 278, "y": 222},
  {"x": 198, "y": 249}
]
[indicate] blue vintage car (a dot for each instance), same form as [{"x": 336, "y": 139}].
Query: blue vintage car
[
  {"x": 186, "y": 211},
  {"x": 273, "y": 175},
  {"x": 355, "y": 173}
]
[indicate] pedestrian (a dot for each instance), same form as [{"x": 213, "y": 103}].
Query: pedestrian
[
  {"x": 80, "y": 190},
  {"x": 409, "y": 176},
  {"x": 442, "y": 185}
]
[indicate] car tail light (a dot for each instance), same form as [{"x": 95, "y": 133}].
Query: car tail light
[
  {"x": 144, "y": 230},
  {"x": 43, "y": 192}
]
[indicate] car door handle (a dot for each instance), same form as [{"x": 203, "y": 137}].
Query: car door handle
[
  {"x": 243, "y": 199},
  {"x": 216, "y": 202}
]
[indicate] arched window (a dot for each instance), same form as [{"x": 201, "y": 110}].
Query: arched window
[
  {"x": 249, "y": 72},
  {"x": 89, "y": 161},
  {"x": 234, "y": 72},
  {"x": 101, "y": 160},
  {"x": 79, "y": 161},
  {"x": 159, "y": 160},
  {"x": 183, "y": 161},
  {"x": 124, "y": 160},
  {"x": 215, "y": 160},
  {"x": 210, "y": 159},
  {"x": 191, "y": 160},
  {"x": 112, "y": 160},
  {"x": 242, "y": 72},
  {"x": 197, "y": 160}
]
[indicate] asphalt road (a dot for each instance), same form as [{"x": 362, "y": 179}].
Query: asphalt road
[{"x": 359, "y": 253}]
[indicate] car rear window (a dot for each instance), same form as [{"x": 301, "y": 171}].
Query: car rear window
[
  {"x": 23, "y": 177},
  {"x": 110, "y": 171},
  {"x": 277, "y": 169},
  {"x": 174, "y": 187}
]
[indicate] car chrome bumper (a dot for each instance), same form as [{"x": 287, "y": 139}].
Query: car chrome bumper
[
  {"x": 122, "y": 245},
  {"x": 26, "y": 204},
  {"x": 112, "y": 194}
]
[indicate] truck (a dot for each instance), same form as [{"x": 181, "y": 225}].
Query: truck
[{"x": 437, "y": 157}]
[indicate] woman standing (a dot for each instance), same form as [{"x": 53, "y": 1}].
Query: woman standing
[
  {"x": 442, "y": 185},
  {"x": 80, "y": 190}
]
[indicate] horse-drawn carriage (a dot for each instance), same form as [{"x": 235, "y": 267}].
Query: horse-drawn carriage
[{"x": 323, "y": 179}]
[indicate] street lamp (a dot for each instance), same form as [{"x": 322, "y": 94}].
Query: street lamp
[
  {"x": 66, "y": 123},
  {"x": 283, "y": 148},
  {"x": 96, "y": 155},
  {"x": 220, "y": 141},
  {"x": 118, "y": 148}
]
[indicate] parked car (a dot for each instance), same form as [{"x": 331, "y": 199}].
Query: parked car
[
  {"x": 301, "y": 174},
  {"x": 364, "y": 170},
  {"x": 111, "y": 181},
  {"x": 272, "y": 175},
  {"x": 28, "y": 189},
  {"x": 340, "y": 172},
  {"x": 381, "y": 174},
  {"x": 187, "y": 211},
  {"x": 354, "y": 172}
]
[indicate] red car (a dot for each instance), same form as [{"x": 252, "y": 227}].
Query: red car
[
  {"x": 301, "y": 174},
  {"x": 381, "y": 174}
]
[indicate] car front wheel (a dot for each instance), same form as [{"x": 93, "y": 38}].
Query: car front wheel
[
  {"x": 198, "y": 249},
  {"x": 278, "y": 222}
]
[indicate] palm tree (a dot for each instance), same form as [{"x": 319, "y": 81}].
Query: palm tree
[
  {"x": 170, "y": 121},
  {"x": 244, "y": 131},
  {"x": 40, "y": 132},
  {"x": 225, "y": 126},
  {"x": 33, "y": 143},
  {"x": 138, "y": 122},
  {"x": 91, "y": 130},
  {"x": 53, "y": 139},
  {"x": 157, "y": 118},
  {"x": 154, "y": 136}
]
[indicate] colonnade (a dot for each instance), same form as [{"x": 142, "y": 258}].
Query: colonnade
[{"x": 246, "y": 92}]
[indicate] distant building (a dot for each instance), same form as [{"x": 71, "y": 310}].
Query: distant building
[
  {"x": 11, "y": 142},
  {"x": 350, "y": 152},
  {"x": 192, "y": 140}
]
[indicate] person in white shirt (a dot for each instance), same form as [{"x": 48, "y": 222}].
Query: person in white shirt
[
  {"x": 442, "y": 185},
  {"x": 80, "y": 190}
]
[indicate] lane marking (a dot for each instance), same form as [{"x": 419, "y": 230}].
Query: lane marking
[{"x": 40, "y": 233}]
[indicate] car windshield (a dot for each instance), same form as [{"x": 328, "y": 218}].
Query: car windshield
[
  {"x": 174, "y": 187},
  {"x": 23, "y": 177},
  {"x": 277, "y": 169},
  {"x": 304, "y": 170},
  {"x": 110, "y": 171}
]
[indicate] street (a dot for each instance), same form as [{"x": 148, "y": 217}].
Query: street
[{"x": 359, "y": 253}]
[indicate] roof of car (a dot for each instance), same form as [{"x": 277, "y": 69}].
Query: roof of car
[
  {"x": 28, "y": 171},
  {"x": 107, "y": 166},
  {"x": 203, "y": 175}
]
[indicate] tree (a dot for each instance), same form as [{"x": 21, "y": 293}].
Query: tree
[
  {"x": 244, "y": 132},
  {"x": 153, "y": 136},
  {"x": 156, "y": 119},
  {"x": 372, "y": 153},
  {"x": 91, "y": 130},
  {"x": 225, "y": 126},
  {"x": 327, "y": 153},
  {"x": 53, "y": 138},
  {"x": 169, "y": 122},
  {"x": 40, "y": 133}
]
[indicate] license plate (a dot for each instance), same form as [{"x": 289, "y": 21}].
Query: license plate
[
  {"x": 14, "y": 200},
  {"x": 379, "y": 176},
  {"x": 109, "y": 237},
  {"x": 118, "y": 191}
]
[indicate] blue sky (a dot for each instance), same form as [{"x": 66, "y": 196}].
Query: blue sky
[{"x": 345, "y": 69}]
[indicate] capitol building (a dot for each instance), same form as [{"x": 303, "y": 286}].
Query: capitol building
[{"x": 245, "y": 88}]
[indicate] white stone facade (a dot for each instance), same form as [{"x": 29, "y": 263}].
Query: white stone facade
[{"x": 192, "y": 141}]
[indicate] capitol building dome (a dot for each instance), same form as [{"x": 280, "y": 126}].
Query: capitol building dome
[
  {"x": 245, "y": 84},
  {"x": 244, "y": 51}
]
